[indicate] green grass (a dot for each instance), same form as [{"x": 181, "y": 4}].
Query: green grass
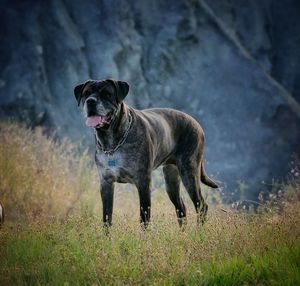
[
  {"x": 231, "y": 249},
  {"x": 53, "y": 233}
]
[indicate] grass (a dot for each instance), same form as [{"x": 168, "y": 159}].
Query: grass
[
  {"x": 231, "y": 249},
  {"x": 53, "y": 234},
  {"x": 40, "y": 178}
]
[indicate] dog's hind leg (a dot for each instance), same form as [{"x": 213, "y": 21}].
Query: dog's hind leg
[
  {"x": 190, "y": 176},
  {"x": 172, "y": 180}
]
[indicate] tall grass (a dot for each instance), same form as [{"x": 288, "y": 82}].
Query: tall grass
[
  {"x": 41, "y": 179},
  {"x": 53, "y": 234}
]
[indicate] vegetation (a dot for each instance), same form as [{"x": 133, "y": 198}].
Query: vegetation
[{"x": 53, "y": 234}]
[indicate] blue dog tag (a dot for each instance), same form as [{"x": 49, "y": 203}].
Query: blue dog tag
[
  {"x": 112, "y": 160},
  {"x": 111, "y": 163}
]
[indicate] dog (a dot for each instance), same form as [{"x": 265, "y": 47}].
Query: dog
[
  {"x": 131, "y": 143},
  {"x": 2, "y": 215}
]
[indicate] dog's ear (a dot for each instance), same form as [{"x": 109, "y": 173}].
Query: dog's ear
[
  {"x": 122, "y": 88},
  {"x": 79, "y": 89}
]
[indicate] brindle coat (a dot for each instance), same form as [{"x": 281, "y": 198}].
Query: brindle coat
[{"x": 157, "y": 137}]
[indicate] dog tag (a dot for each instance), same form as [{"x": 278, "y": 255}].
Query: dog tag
[
  {"x": 112, "y": 160},
  {"x": 111, "y": 163}
]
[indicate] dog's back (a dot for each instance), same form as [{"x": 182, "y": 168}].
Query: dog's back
[
  {"x": 176, "y": 122},
  {"x": 175, "y": 127}
]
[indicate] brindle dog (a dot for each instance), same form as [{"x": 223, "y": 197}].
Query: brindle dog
[{"x": 131, "y": 143}]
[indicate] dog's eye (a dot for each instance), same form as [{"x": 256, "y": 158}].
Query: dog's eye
[
  {"x": 86, "y": 94},
  {"x": 105, "y": 94}
]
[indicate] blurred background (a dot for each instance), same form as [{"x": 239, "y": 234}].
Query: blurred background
[{"x": 234, "y": 65}]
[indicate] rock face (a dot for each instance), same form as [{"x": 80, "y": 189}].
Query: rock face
[{"x": 234, "y": 65}]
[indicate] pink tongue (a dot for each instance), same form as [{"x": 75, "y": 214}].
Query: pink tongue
[{"x": 93, "y": 121}]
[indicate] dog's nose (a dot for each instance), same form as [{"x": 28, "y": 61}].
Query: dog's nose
[{"x": 91, "y": 101}]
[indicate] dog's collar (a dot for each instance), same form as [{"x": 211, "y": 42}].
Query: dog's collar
[{"x": 121, "y": 141}]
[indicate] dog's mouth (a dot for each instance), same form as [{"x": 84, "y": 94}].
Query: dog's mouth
[{"x": 99, "y": 121}]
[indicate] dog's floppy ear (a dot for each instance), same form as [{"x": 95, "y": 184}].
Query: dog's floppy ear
[
  {"x": 79, "y": 89},
  {"x": 122, "y": 88}
]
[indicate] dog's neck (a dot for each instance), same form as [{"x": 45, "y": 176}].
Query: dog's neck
[{"x": 111, "y": 137}]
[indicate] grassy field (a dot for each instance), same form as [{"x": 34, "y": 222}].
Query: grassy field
[{"x": 53, "y": 235}]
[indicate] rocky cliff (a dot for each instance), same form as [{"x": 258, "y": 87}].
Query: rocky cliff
[{"x": 234, "y": 65}]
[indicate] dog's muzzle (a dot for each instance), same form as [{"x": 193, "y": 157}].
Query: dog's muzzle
[{"x": 94, "y": 119}]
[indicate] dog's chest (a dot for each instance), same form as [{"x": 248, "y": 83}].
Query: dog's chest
[{"x": 114, "y": 166}]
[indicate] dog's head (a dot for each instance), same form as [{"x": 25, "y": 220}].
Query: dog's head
[{"x": 101, "y": 100}]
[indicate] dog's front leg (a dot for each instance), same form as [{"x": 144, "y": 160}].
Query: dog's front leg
[
  {"x": 107, "y": 195},
  {"x": 144, "y": 189}
]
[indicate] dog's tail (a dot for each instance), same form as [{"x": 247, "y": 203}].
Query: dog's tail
[{"x": 205, "y": 179}]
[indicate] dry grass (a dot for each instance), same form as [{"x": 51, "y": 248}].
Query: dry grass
[
  {"x": 53, "y": 234},
  {"x": 40, "y": 179}
]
